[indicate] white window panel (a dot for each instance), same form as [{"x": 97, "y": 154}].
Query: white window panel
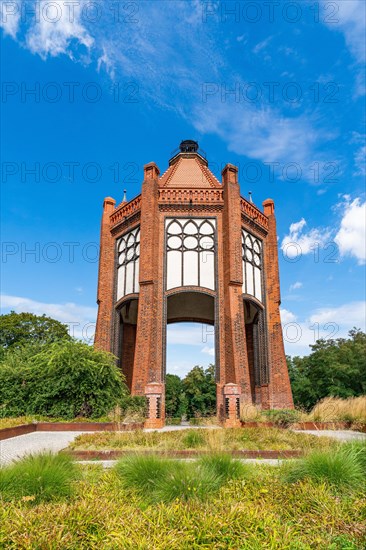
[
  {"x": 174, "y": 269},
  {"x": 190, "y": 269},
  {"x": 207, "y": 269},
  {"x": 249, "y": 278},
  {"x": 191, "y": 241},
  {"x": 258, "y": 284}
]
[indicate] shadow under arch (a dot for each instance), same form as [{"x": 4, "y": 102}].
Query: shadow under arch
[
  {"x": 257, "y": 348},
  {"x": 190, "y": 306},
  {"x": 126, "y": 336}
]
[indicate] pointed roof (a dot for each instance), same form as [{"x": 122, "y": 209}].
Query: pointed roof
[{"x": 188, "y": 170}]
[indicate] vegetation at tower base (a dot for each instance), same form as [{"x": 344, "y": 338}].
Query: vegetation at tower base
[
  {"x": 19, "y": 329},
  {"x": 334, "y": 368},
  {"x": 200, "y": 390},
  {"x": 175, "y": 398},
  {"x": 65, "y": 379},
  {"x": 194, "y": 396}
]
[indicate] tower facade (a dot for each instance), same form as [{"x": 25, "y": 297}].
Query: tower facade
[{"x": 190, "y": 248}]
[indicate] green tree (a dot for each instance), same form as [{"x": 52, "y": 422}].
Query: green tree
[
  {"x": 18, "y": 329},
  {"x": 175, "y": 399},
  {"x": 200, "y": 390},
  {"x": 334, "y": 368},
  {"x": 66, "y": 378}
]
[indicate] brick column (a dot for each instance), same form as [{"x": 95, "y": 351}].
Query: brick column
[
  {"x": 147, "y": 363},
  {"x": 232, "y": 405},
  {"x": 278, "y": 393},
  {"x": 103, "y": 332},
  {"x": 236, "y": 363},
  {"x": 155, "y": 402}
]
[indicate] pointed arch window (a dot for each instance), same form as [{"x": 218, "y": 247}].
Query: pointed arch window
[
  {"x": 128, "y": 251},
  {"x": 252, "y": 253},
  {"x": 190, "y": 252}
]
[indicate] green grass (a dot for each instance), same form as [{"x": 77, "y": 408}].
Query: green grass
[
  {"x": 143, "y": 473},
  {"x": 256, "y": 513},
  {"x": 342, "y": 468},
  {"x": 224, "y": 467},
  {"x": 161, "y": 480},
  {"x": 217, "y": 440},
  {"x": 38, "y": 478},
  {"x": 193, "y": 439}
]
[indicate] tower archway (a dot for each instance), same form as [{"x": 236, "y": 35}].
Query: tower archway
[{"x": 190, "y": 343}]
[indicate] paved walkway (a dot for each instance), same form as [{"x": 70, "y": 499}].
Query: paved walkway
[
  {"x": 16, "y": 447},
  {"x": 341, "y": 435}
]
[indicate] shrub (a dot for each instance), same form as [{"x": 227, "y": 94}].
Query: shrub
[
  {"x": 282, "y": 417},
  {"x": 339, "y": 468},
  {"x": 64, "y": 379},
  {"x": 193, "y": 439},
  {"x": 38, "y": 478},
  {"x": 223, "y": 467},
  {"x": 133, "y": 408}
]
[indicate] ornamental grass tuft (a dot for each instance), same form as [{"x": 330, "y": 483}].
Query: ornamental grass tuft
[
  {"x": 223, "y": 467},
  {"x": 143, "y": 472},
  {"x": 341, "y": 468},
  {"x": 37, "y": 478}
]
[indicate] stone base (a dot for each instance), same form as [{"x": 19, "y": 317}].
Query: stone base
[
  {"x": 154, "y": 423},
  {"x": 232, "y": 423}
]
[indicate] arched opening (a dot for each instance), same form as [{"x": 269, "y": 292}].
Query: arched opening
[
  {"x": 190, "y": 342},
  {"x": 256, "y": 343},
  {"x": 127, "y": 338}
]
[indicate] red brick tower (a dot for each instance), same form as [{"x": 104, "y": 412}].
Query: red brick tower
[{"x": 190, "y": 248}]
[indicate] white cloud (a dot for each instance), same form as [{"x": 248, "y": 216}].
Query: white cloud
[
  {"x": 80, "y": 319},
  {"x": 57, "y": 29},
  {"x": 287, "y": 316},
  {"x": 191, "y": 334},
  {"x": 208, "y": 350},
  {"x": 262, "y": 45},
  {"x": 351, "y": 236},
  {"x": 296, "y": 285},
  {"x": 10, "y": 17},
  {"x": 347, "y": 315},
  {"x": 149, "y": 51},
  {"x": 360, "y": 161},
  {"x": 349, "y": 18},
  {"x": 326, "y": 323},
  {"x": 299, "y": 242}
]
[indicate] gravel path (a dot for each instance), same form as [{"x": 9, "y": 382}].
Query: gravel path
[
  {"x": 341, "y": 435},
  {"x": 16, "y": 447}
]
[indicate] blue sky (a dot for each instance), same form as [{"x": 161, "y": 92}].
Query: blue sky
[{"x": 275, "y": 88}]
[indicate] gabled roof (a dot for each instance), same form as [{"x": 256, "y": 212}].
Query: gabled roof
[{"x": 188, "y": 171}]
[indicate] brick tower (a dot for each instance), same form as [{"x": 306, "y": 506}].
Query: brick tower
[{"x": 190, "y": 248}]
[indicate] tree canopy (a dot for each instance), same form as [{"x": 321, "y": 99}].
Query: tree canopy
[
  {"x": 18, "y": 329},
  {"x": 64, "y": 379},
  {"x": 334, "y": 368}
]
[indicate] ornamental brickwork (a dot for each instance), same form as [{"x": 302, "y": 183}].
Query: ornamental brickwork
[{"x": 190, "y": 248}]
